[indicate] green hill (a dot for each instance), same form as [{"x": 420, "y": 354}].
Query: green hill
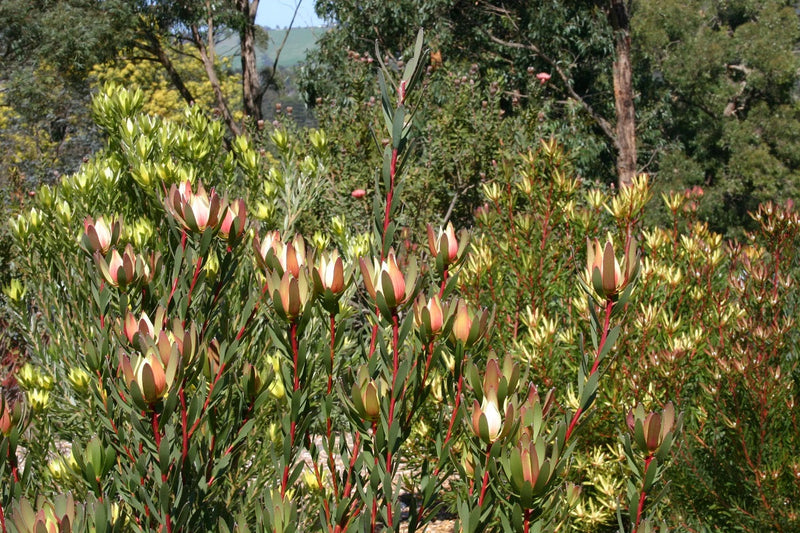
[{"x": 300, "y": 41}]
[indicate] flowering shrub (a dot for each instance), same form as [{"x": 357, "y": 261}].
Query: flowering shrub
[
  {"x": 709, "y": 328},
  {"x": 197, "y": 364}
]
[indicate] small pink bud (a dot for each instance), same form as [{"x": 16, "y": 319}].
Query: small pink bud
[
  {"x": 543, "y": 77},
  {"x": 358, "y": 193}
]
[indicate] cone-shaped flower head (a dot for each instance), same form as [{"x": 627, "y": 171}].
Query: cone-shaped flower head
[
  {"x": 119, "y": 270},
  {"x": 232, "y": 226},
  {"x": 142, "y": 326},
  {"x": 291, "y": 296},
  {"x": 366, "y": 395},
  {"x": 293, "y": 256},
  {"x": 100, "y": 235},
  {"x": 603, "y": 271},
  {"x": 531, "y": 467},
  {"x": 9, "y": 416},
  {"x": 652, "y": 430},
  {"x": 446, "y": 247},
  {"x": 533, "y": 411},
  {"x": 267, "y": 250},
  {"x": 149, "y": 375},
  {"x": 330, "y": 279},
  {"x": 329, "y": 273},
  {"x": 469, "y": 325},
  {"x": 428, "y": 317},
  {"x": 194, "y": 211},
  {"x": 386, "y": 284},
  {"x": 488, "y": 422},
  {"x": 49, "y": 518}
]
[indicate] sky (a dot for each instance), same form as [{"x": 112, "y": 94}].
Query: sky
[{"x": 277, "y": 14}]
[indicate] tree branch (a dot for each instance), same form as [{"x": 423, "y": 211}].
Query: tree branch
[
  {"x": 215, "y": 84},
  {"x": 605, "y": 125},
  {"x": 271, "y": 79}
]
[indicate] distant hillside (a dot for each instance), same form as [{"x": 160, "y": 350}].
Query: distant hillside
[{"x": 300, "y": 41}]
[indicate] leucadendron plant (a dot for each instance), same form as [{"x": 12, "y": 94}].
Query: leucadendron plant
[{"x": 197, "y": 364}]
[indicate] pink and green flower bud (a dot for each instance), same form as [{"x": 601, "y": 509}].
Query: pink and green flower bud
[
  {"x": 603, "y": 271},
  {"x": 488, "y": 422},
  {"x": 386, "y": 284},
  {"x": 267, "y": 249},
  {"x": 428, "y": 317},
  {"x": 292, "y": 257},
  {"x": 120, "y": 270},
  {"x": 533, "y": 410},
  {"x": 49, "y": 518},
  {"x": 194, "y": 211},
  {"x": 142, "y": 326},
  {"x": 149, "y": 375},
  {"x": 291, "y": 296},
  {"x": 469, "y": 325},
  {"x": 233, "y": 223},
  {"x": 100, "y": 235},
  {"x": 651, "y": 430},
  {"x": 533, "y": 463},
  {"x": 447, "y": 248},
  {"x": 9, "y": 416},
  {"x": 367, "y": 394},
  {"x": 329, "y": 280}
]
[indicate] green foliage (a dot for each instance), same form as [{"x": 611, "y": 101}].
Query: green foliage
[
  {"x": 160, "y": 96},
  {"x": 714, "y": 84},
  {"x": 711, "y": 330}
]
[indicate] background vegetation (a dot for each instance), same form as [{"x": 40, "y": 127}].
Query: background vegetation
[{"x": 513, "y": 138}]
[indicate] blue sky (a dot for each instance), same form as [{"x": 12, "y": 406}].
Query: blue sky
[{"x": 278, "y": 14}]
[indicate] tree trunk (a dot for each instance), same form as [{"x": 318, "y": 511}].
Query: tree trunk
[
  {"x": 161, "y": 56},
  {"x": 251, "y": 83},
  {"x": 208, "y": 63},
  {"x": 623, "y": 94}
]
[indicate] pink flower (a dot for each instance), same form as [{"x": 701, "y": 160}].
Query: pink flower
[
  {"x": 358, "y": 193},
  {"x": 543, "y": 77}
]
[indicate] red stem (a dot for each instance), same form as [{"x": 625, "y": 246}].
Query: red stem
[
  {"x": 295, "y": 388},
  {"x": 595, "y": 366},
  {"x": 485, "y": 483},
  {"x": 395, "y": 367},
  {"x": 208, "y": 398},
  {"x": 642, "y": 496},
  {"x": 185, "y": 442}
]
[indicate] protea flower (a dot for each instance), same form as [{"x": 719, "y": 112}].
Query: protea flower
[
  {"x": 366, "y": 395},
  {"x": 532, "y": 465},
  {"x": 267, "y": 249},
  {"x": 386, "y": 284},
  {"x": 428, "y": 317},
  {"x": 120, "y": 270},
  {"x": 651, "y": 431},
  {"x": 488, "y": 421},
  {"x": 291, "y": 296},
  {"x": 446, "y": 247},
  {"x": 330, "y": 280},
  {"x": 603, "y": 271},
  {"x": 100, "y": 235},
  {"x": 470, "y": 325},
  {"x": 150, "y": 375},
  {"x": 194, "y": 211},
  {"x": 232, "y": 226}
]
